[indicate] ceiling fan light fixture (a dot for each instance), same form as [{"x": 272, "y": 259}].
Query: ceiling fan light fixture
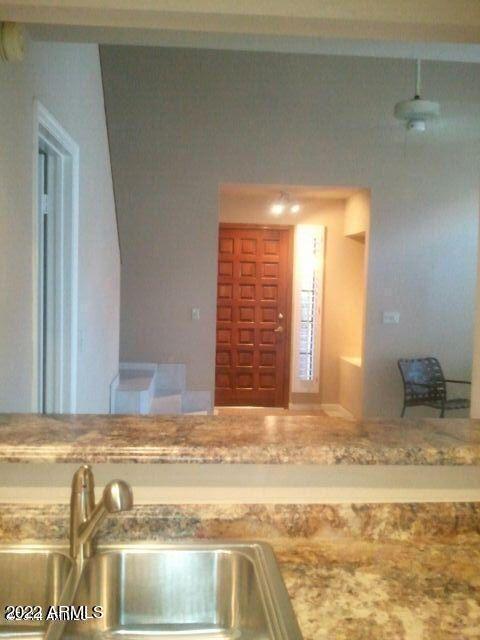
[
  {"x": 417, "y": 112},
  {"x": 417, "y": 125}
]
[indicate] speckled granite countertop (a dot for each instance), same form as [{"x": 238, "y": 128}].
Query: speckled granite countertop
[
  {"x": 359, "y": 590},
  {"x": 237, "y": 439},
  {"x": 353, "y": 572}
]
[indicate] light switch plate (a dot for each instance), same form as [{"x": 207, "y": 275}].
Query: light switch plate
[
  {"x": 195, "y": 313},
  {"x": 391, "y": 317}
]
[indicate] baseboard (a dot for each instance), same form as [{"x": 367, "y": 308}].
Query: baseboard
[
  {"x": 305, "y": 406},
  {"x": 332, "y": 410},
  {"x": 337, "y": 411}
]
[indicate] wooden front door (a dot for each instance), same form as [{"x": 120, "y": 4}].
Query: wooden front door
[{"x": 253, "y": 316}]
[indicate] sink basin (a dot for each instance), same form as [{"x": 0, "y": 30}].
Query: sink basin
[
  {"x": 185, "y": 592},
  {"x": 30, "y": 576}
]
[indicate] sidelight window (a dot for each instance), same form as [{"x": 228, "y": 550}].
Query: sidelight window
[{"x": 308, "y": 266}]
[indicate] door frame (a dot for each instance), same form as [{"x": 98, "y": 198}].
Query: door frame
[
  {"x": 49, "y": 134},
  {"x": 289, "y": 292}
]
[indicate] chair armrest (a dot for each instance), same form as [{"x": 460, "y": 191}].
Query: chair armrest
[
  {"x": 458, "y": 381},
  {"x": 419, "y": 384}
]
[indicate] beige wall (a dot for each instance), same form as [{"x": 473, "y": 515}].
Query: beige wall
[
  {"x": 417, "y": 21},
  {"x": 67, "y": 81},
  {"x": 357, "y": 214},
  {"x": 351, "y": 386},
  {"x": 183, "y": 122},
  {"x": 343, "y": 279}
]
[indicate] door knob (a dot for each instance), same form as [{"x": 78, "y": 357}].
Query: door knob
[{"x": 279, "y": 330}]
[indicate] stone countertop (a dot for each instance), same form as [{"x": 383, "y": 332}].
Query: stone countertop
[
  {"x": 355, "y": 590},
  {"x": 237, "y": 439},
  {"x": 409, "y": 572}
]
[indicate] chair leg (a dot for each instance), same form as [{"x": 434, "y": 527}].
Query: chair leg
[
  {"x": 402, "y": 415},
  {"x": 442, "y": 412}
]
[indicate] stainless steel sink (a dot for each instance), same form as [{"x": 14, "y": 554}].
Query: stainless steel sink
[
  {"x": 206, "y": 591},
  {"x": 30, "y": 576},
  {"x": 203, "y": 591}
]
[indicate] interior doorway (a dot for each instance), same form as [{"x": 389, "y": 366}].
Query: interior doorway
[
  {"x": 324, "y": 335},
  {"x": 56, "y": 215},
  {"x": 253, "y": 315}
]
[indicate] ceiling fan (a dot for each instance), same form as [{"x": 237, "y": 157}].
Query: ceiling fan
[{"x": 415, "y": 113}]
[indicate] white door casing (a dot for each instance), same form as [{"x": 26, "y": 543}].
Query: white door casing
[{"x": 62, "y": 205}]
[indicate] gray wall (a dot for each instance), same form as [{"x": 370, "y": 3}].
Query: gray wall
[
  {"x": 182, "y": 122},
  {"x": 67, "y": 80}
]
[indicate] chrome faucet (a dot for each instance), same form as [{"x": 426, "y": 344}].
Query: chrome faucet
[{"x": 85, "y": 516}]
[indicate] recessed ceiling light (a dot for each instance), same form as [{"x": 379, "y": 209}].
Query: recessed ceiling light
[{"x": 277, "y": 208}]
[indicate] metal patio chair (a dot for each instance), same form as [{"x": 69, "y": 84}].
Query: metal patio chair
[{"x": 425, "y": 385}]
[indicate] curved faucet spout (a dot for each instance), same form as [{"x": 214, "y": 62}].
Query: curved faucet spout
[
  {"x": 85, "y": 519},
  {"x": 85, "y": 516}
]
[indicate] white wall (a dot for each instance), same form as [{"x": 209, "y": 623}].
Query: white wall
[
  {"x": 209, "y": 484},
  {"x": 67, "y": 81},
  {"x": 183, "y": 122}
]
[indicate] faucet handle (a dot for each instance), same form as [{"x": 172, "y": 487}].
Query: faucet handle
[{"x": 117, "y": 496}]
